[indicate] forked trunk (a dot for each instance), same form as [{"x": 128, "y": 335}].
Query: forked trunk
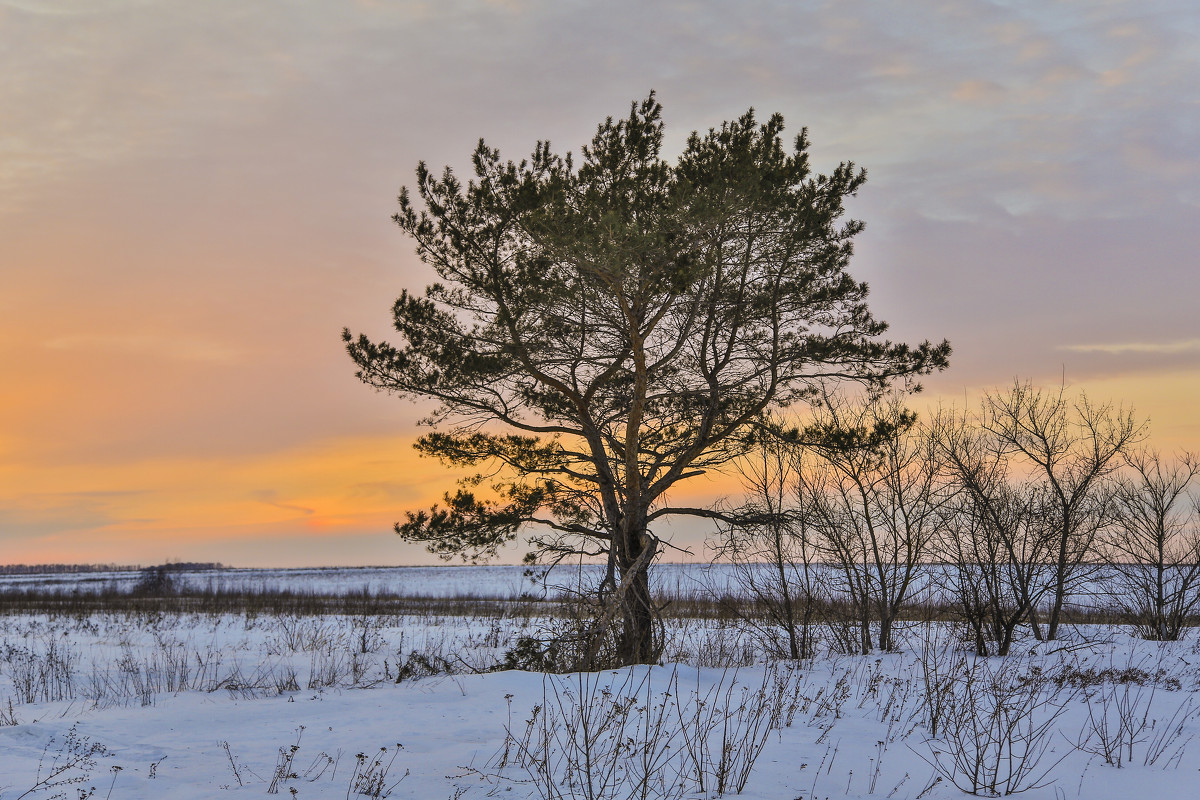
[
  {"x": 885, "y": 632},
  {"x": 636, "y": 644}
]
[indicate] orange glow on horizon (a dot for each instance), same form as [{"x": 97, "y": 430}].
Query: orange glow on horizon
[
  {"x": 342, "y": 490},
  {"x": 79, "y": 513}
]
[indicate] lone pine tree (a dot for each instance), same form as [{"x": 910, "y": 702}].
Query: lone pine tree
[{"x": 604, "y": 330}]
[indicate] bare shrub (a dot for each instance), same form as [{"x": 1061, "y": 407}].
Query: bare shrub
[
  {"x": 370, "y": 777},
  {"x": 587, "y": 739},
  {"x": 1072, "y": 446},
  {"x": 941, "y": 666},
  {"x": 166, "y": 668},
  {"x": 285, "y": 680},
  {"x": 773, "y": 552},
  {"x": 304, "y": 634},
  {"x": 723, "y": 646},
  {"x": 423, "y": 663},
  {"x": 874, "y": 493},
  {"x": 582, "y": 635},
  {"x": 328, "y": 668},
  {"x": 725, "y": 729},
  {"x": 997, "y": 542},
  {"x": 999, "y": 723},
  {"x": 593, "y": 738},
  {"x": 284, "y": 770},
  {"x": 366, "y": 630},
  {"x": 69, "y": 765},
  {"x": 1154, "y": 549},
  {"x": 8, "y": 716},
  {"x": 44, "y": 671},
  {"x": 1120, "y": 717}
]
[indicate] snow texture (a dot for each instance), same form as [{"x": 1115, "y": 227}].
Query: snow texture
[{"x": 221, "y": 706}]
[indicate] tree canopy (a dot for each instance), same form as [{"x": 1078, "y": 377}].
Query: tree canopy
[{"x": 603, "y": 330}]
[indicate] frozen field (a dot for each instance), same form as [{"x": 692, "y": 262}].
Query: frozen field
[
  {"x": 484, "y": 582},
  {"x": 212, "y": 706},
  {"x": 480, "y": 582},
  {"x": 502, "y": 582}
]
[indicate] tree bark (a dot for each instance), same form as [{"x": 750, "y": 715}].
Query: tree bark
[{"x": 636, "y": 644}]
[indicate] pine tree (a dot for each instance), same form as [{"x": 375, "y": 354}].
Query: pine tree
[{"x": 602, "y": 332}]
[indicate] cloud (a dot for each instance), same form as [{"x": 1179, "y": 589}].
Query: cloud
[
  {"x": 977, "y": 91},
  {"x": 1127, "y": 348},
  {"x": 47, "y": 515},
  {"x": 267, "y": 496}
]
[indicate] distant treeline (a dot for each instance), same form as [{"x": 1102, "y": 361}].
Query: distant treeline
[{"x": 53, "y": 569}]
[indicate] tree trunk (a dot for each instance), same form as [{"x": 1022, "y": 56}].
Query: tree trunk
[
  {"x": 885, "y": 632},
  {"x": 865, "y": 628},
  {"x": 980, "y": 643},
  {"x": 1060, "y": 594},
  {"x": 1034, "y": 625},
  {"x": 1005, "y": 643},
  {"x": 636, "y": 643},
  {"x": 789, "y": 606}
]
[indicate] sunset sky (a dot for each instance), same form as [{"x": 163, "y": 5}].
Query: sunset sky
[{"x": 195, "y": 199}]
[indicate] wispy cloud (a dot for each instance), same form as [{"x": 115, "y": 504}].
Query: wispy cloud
[
  {"x": 1147, "y": 348},
  {"x": 268, "y": 497}
]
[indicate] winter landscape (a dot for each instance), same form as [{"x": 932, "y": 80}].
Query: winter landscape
[
  {"x": 697, "y": 465},
  {"x": 419, "y": 704}
]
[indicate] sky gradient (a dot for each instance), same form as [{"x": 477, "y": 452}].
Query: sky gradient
[{"x": 195, "y": 199}]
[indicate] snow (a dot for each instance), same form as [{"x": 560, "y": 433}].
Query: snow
[
  {"x": 200, "y": 706},
  {"x": 502, "y": 582}
]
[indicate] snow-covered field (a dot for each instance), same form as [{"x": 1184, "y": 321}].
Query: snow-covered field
[
  {"x": 199, "y": 706},
  {"x": 483, "y": 582},
  {"x": 501, "y": 582}
]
